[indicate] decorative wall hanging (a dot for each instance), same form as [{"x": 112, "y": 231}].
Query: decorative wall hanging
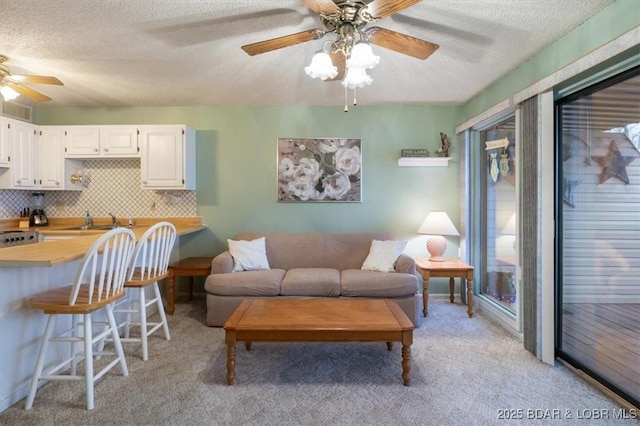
[
  {"x": 319, "y": 170},
  {"x": 501, "y": 160},
  {"x": 613, "y": 164}
]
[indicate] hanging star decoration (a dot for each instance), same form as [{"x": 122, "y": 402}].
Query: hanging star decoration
[{"x": 613, "y": 164}]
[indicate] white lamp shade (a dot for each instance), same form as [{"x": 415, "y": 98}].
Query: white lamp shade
[
  {"x": 8, "y": 93},
  {"x": 356, "y": 77},
  {"x": 362, "y": 57},
  {"x": 436, "y": 225},
  {"x": 321, "y": 66}
]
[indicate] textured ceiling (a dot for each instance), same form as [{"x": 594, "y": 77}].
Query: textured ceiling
[{"x": 178, "y": 52}]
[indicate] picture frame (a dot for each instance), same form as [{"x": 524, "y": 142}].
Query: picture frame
[{"x": 319, "y": 170}]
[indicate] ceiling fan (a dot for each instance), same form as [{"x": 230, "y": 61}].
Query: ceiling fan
[
  {"x": 349, "y": 19},
  {"x": 13, "y": 85}
]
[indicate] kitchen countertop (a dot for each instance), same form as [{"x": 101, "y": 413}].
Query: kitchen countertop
[{"x": 56, "y": 252}]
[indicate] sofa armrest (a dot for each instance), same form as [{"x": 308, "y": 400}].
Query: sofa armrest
[
  {"x": 406, "y": 264},
  {"x": 222, "y": 263}
]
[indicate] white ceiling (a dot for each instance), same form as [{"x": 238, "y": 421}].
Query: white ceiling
[{"x": 179, "y": 52}]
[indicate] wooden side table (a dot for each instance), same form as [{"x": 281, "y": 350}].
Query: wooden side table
[
  {"x": 187, "y": 267},
  {"x": 450, "y": 268}
]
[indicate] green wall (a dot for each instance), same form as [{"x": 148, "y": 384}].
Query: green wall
[
  {"x": 617, "y": 19},
  {"x": 236, "y": 166}
]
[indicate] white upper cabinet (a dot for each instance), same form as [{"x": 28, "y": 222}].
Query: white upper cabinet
[
  {"x": 101, "y": 141},
  {"x": 54, "y": 171},
  {"x": 167, "y": 157},
  {"x": 4, "y": 142},
  {"x": 22, "y": 143}
]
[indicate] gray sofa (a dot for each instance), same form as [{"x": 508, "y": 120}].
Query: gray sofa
[{"x": 311, "y": 265}]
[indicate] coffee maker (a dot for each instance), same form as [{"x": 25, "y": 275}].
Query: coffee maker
[{"x": 37, "y": 216}]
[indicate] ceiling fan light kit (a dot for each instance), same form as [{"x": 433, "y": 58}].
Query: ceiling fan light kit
[
  {"x": 350, "y": 54},
  {"x": 8, "y": 93},
  {"x": 11, "y": 86},
  {"x": 321, "y": 66}
]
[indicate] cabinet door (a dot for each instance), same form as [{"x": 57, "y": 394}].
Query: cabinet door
[
  {"x": 161, "y": 157},
  {"x": 4, "y": 142},
  {"x": 82, "y": 141},
  {"x": 23, "y": 143},
  {"x": 119, "y": 141},
  {"x": 51, "y": 163}
]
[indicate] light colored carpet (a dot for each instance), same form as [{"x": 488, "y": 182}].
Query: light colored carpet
[{"x": 464, "y": 371}]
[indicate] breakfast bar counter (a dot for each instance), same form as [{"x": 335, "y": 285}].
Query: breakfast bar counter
[
  {"x": 31, "y": 268},
  {"x": 51, "y": 253}
]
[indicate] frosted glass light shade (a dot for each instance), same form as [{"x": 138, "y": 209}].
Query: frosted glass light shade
[
  {"x": 321, "y": 66},
  {"x": 8, "y": 93},
  {"x": 362, "y": 57},
  {"x": 356, "y": 77},
  {"x": 436, "y": 225}
]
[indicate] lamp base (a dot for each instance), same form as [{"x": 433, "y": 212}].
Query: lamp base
[{"x": 436, "y": 246}]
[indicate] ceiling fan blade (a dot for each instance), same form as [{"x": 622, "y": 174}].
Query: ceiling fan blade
[
  {"x": 382, "y": 8},
  {"x": 39, "y": 79},
  {"x": 402, "y": 43},
  {"x": 36, "y": 96},
  {"x": 338, "y": 59},
  {"x": 325, "y": 7},
  {"x": 284, "y": 41}
]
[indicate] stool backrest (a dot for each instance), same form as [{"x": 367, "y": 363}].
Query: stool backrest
[
  {"x": 152, "y": 252},
  {"x": 103, "y": 269}
]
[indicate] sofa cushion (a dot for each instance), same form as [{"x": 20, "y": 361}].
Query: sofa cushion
[
  {"x": 359, "y": 283},
  {"x": 247, "y": 283},
  {"x": 383, "y": 255},
  {"x": 317, "y": 249},
  {"x": 248, "y": 255},
  {"x": 324, "y": 282}
]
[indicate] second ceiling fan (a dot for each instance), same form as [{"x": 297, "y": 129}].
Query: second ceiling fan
[{"x": 348, "y": 19}]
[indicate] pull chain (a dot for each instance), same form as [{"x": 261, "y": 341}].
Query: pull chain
[{"x": 346, "y": 107}]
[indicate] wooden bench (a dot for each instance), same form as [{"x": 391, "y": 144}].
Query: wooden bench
[{"x": 187, "y": 267}]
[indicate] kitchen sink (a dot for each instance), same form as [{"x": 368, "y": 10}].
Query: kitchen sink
[{"x": 94, "y": 228}]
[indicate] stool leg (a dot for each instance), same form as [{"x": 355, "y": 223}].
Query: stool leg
[
  {"x": 171, "y": 295},
  {"x": 143, "y": 324},
  {"x": 190, "y": 288},
  {"x": 88, "y": 360},
  {"x": 75, "y": 319},
  {"x": 39, "y": 362},
  {"x": 163, "y": 317}
]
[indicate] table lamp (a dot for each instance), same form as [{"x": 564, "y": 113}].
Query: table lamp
[{"x": 436, "y": 225}]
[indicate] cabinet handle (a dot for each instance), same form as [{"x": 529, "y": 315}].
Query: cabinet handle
[
  {"x": 106, "y": 149},
  {"x": 95, "y": 149},
  {"x": 144, "y": 182}
]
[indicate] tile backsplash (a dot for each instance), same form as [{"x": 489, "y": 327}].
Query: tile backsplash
[{"x": 112, "y": 186}]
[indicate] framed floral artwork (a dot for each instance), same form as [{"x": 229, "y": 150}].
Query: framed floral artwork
[{"x": 319, "y": 170}]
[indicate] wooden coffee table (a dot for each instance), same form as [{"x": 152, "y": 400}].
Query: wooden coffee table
[{"x": 318, "y": 320}]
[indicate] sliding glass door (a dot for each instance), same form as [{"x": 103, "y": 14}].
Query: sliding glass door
[
  {"x": 493, "y": 149},
  {"x": 598, "y": 232}
]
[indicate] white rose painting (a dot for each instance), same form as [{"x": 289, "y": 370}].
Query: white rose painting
[{"x": 316, "y": 170}]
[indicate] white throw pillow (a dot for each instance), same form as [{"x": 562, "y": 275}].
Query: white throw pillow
[
  {"x": 383, "y": 255},
  {"x": 248, "y": 255}
]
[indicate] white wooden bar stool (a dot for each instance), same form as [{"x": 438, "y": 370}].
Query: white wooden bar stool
[
  {"x": 98, "y": 284},
  {"x": 149, "y": 265}
]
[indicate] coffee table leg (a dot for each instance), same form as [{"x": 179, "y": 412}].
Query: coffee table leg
[
  {"x": 247, "y": 345},
  {"x": 389, "y": 346},
  {"x": 230, "y": 339},
  {"x": 406, "y": 364}
]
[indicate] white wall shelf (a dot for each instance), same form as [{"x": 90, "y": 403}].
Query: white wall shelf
[{"x": 423, "y": 161}]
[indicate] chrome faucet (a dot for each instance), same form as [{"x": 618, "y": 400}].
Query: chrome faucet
[{"x": 114, "y": 222}]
